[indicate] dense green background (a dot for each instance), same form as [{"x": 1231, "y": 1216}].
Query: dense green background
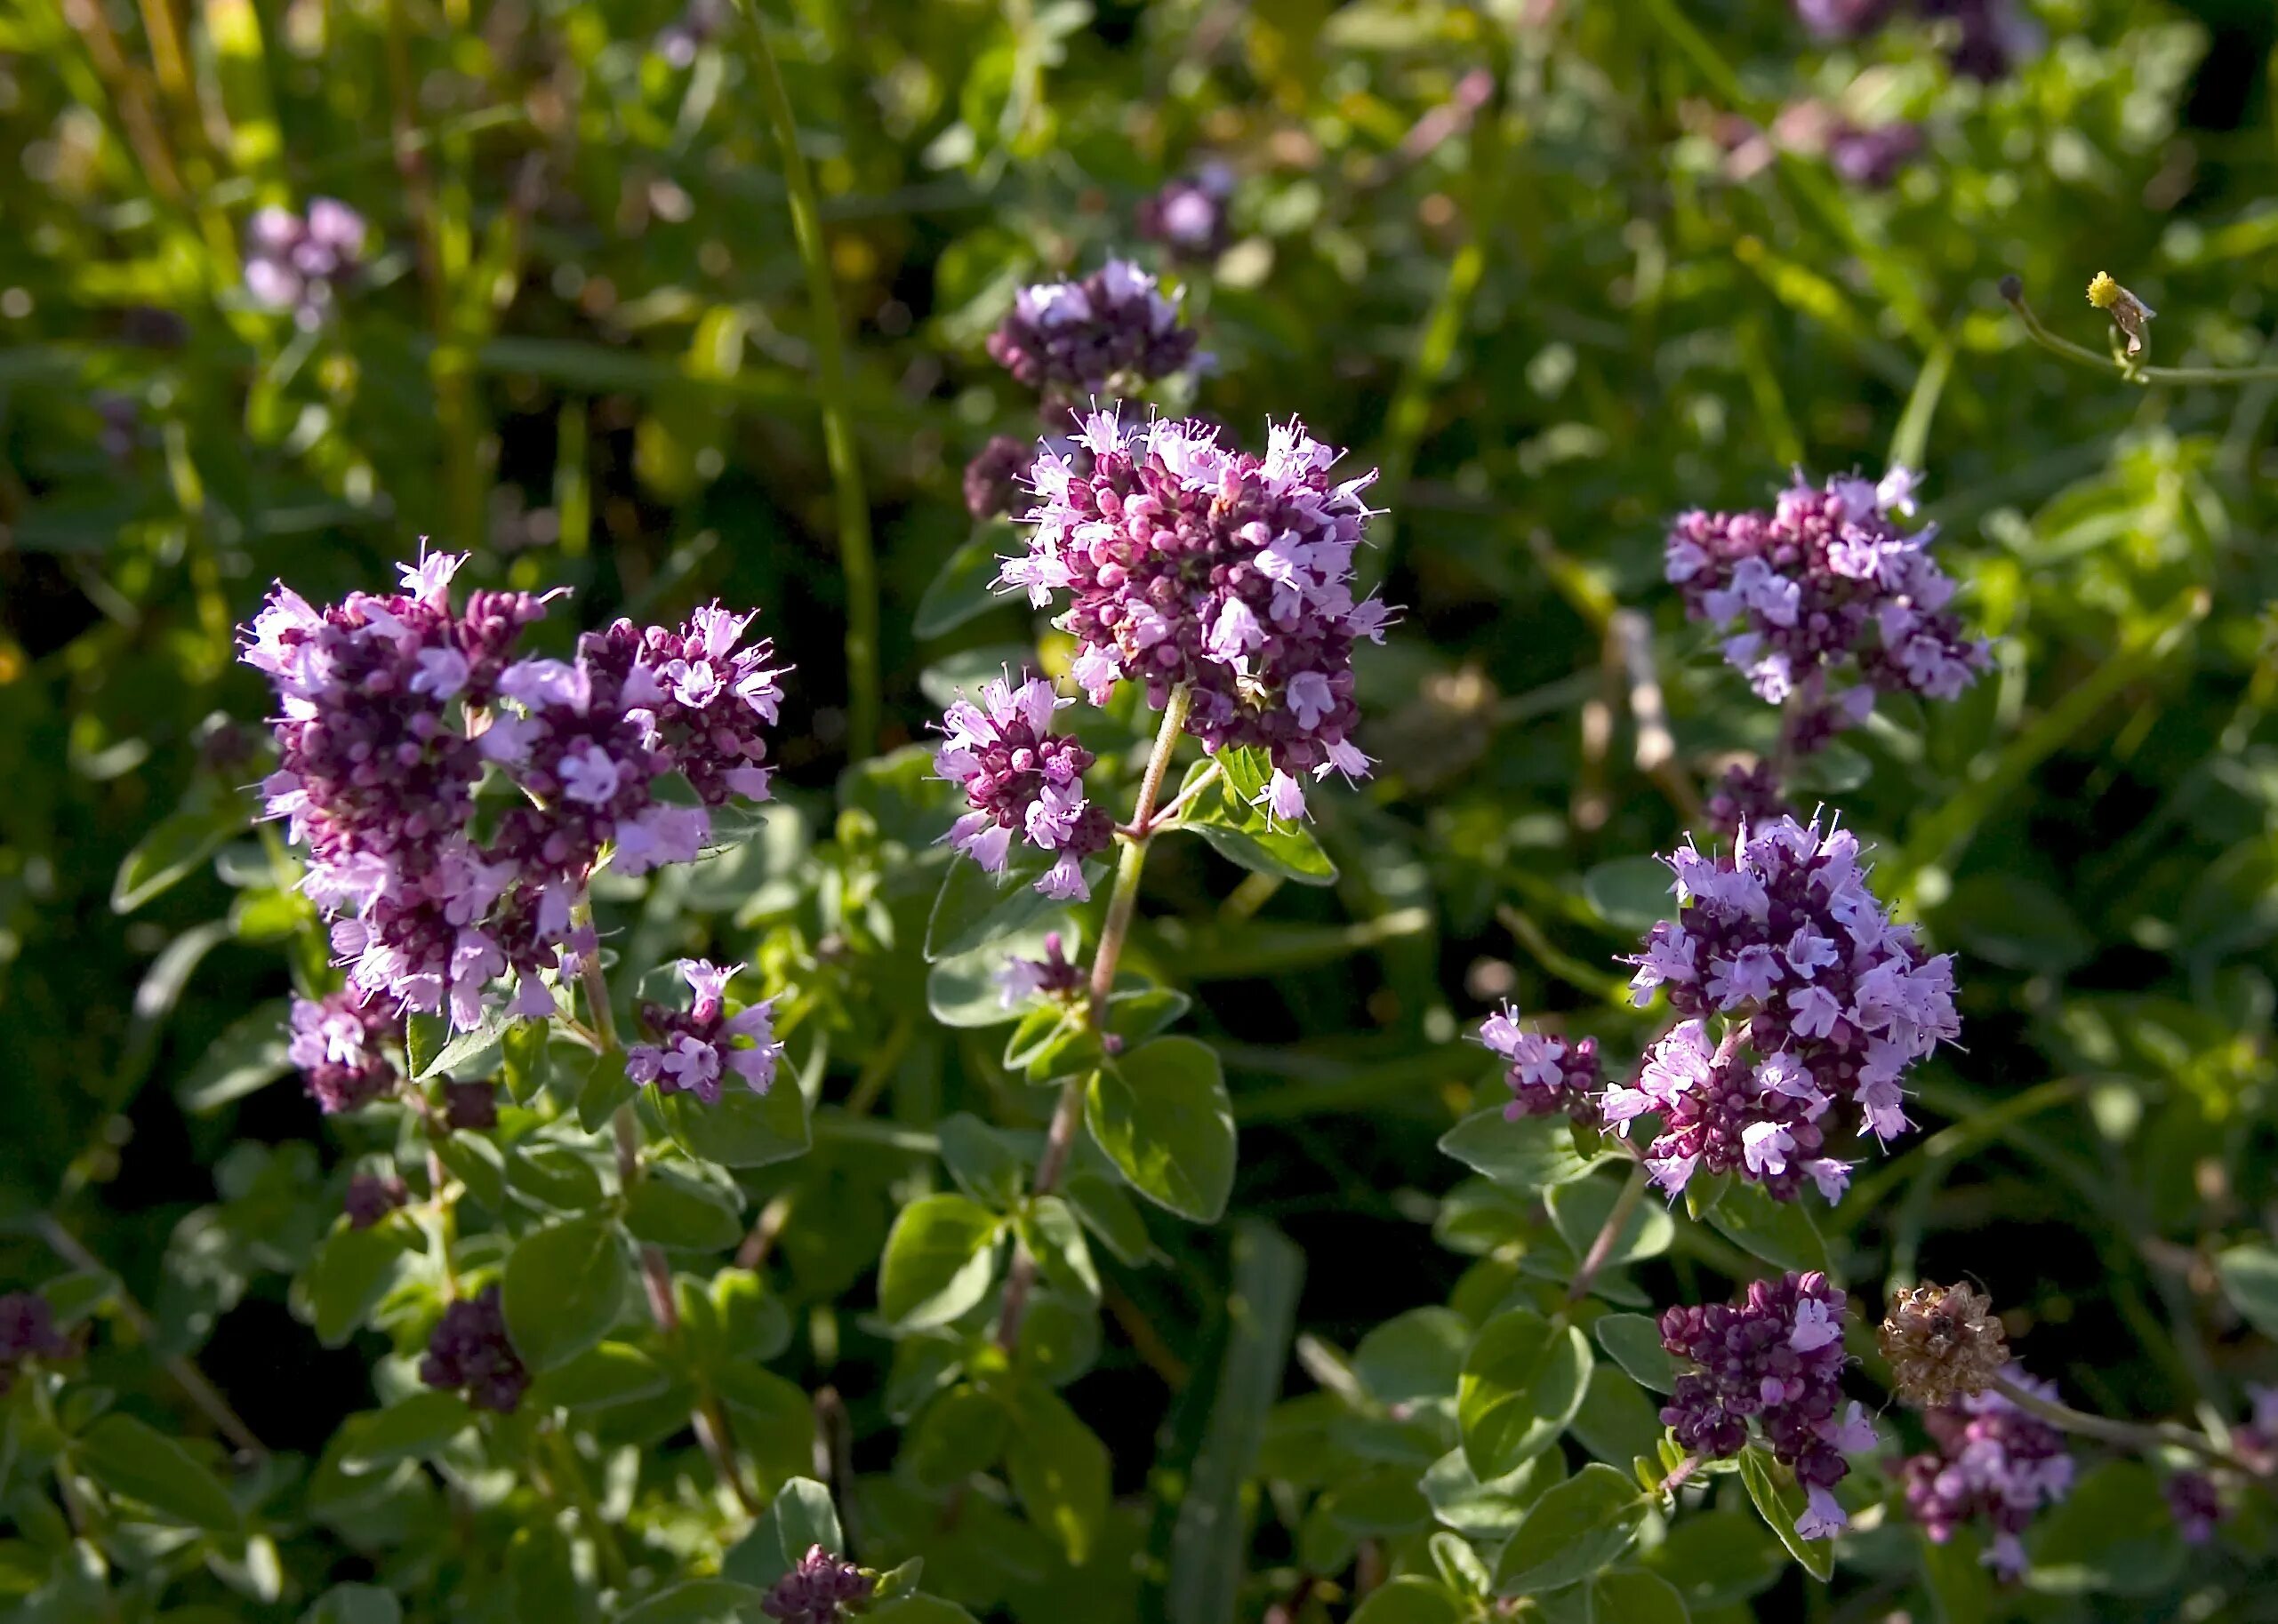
[{"x": 585, "y": 354}]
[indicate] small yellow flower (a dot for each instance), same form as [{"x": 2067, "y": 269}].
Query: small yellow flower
[
  {"x": 2104, "y": 290},
  {"x": 2128, "y": 313}
]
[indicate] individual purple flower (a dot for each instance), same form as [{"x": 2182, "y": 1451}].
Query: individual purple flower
[
  {"x": 1872, "y": 157},
  {"x": 1023, "y": 781},
  {"x": 336, "y": 1043},
  {"x": 298, "y": 264},
  {"x": 1775, "y": 1359},
  {"x": 28, "y": 1332},
  {"x": 1114, "y": 331},
  {"x": 1188, "y": 216},
  {"x": 1189, "y": 563},
  {"x": 1824, "y": 1002},
  {"x": 1545, "y": 1073},
  {"x": 698, "y": 1046},
  {"x": 818, "y": 1590},
  {"x": 1990, "y": 1462},
  {"x": 1844, "y": 19},
  {"x": 469, "y": 1349},
  {"x": 2196, "y": 1504},
  {"x": 697, "y": 26},
  {"x": 1052, "y": 976},
  {"x": 992, "y": 479},
  {"x": 1826, "y": 602},
  {"x": 469, "y": 1108},
  {"x": 370, "y": 1197},
  {"x": 1992, "y": 36}
]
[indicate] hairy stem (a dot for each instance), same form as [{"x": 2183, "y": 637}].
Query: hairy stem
[
  {"x": 2127, "y": 1434},
  {"x": 1059, "y": 1136},
  {"x": 1609, "y": 1234},
  {"x": 857, "y": 561}
]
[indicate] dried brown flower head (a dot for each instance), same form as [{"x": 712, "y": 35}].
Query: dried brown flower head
[{"x": 1943, "y": 1341}]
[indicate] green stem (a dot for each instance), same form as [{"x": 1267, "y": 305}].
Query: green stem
[
  {"x": 569, "y": 1471},
  {"x": 1059, "y": 1136},
  {"x": 856, "y": 559},
  {"x": 2013, "y": 292},
  {"x": 1609, "y": 1234},
  {"x": 2126, "y": 1435}
]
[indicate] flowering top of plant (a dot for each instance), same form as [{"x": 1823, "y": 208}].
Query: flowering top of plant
[
  {"x": 1188, "y": 216},
  {"x": 1825, "y": 1001},
  {"x": 336, "y": 1045},
  {"x": 1824, "y": 586},
  {"x": 1776, "y": 1358},
  {"x": 28, "y": 1332},
  {"x": 296, "y": 264},
  {"x": 818, "y": 1589},
  {"x": 1053, "y": 976},
  {"x": 1022, "y": 779},
  {"x": 1546, "y": 1074},
  {"x": 1990, "y": 1461},
  {"x": 391, "y": 705},
  {"x": 697, "y": 1046},
  {"x": 1115, "y": 331},
  {"x": 469, "y": 1349},
  {"x": 1191, "y": 562}
]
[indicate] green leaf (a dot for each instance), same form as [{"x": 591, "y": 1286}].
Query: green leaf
[
  {"x": 1616, "y": 1422},
  {"x": 1049, "y": 1230},
  {"x": 976, "y": 909},
  {"x": 136, "y": 1461},
  {"x": 249, "y": 1054},
  {"x": 416, "y": 1425},
  {"x": 1488, "y": 1511},
  {"x": 1104, "y": 1210},
  {"x": 1059, "y": 1470},
  {"x": 1779, "y": 1501},
  {"x": 554, "y": 1175},
  {"x": 2249, "y": 1277},
  {"x": 754, "y": 1326},
  {"x": 1574, "y": 1530},
  {"x": 354, "y": 1605},
  {"x": 1415, "y": 1358},
  {"x": 424, "y": 1036},
  {"x": 605, "y": 1375},
  {"x": 1961, "y": 1587},
  {"x": 1631, "y": 893},
  {"x": 961, "y": 1432},
  {"x": 477, "y": 1162},
  {"x": 1530, "y": 1154},
  {"x": 543, "y": 1578},
  {"x": 774, "y": 1421},
  {"x": 606, "y": 1090},
  {"x": 1521, "y": 1382},
  {"x": 351, "y": 1272},
  {"x": 1779, "y": 1232},
  {"x": 698, "y": 1601},
  {"x": 1634, "y": 1341},
  {"x": 940, "y": 1258},
  {"x": 526, "y": 1059},
  {"x": 1579, "y": 1211},
  {"x": 800, "y": 1516},
  {"x": 1718, "y": 1559},
  {"x": 1226, "y": 815},
  {"x": 176, "y": 846},
  {"x": 461, "y": 1049},
  {"x": 918, "y": 1609},
  {"x": 1411, "y": 1598},
  {"x": 1619, "y": 1598},
  {"x": 564, "y": 1287},
  {"x": 983, "y": 1161},
  {"x": 2113, "y": 1533},
  {"x": 672, "y": 1206},
  {"x": 1162, "y": 1115},
  {"x": 744, "y": 1129},
  {"x": 963, "y": 590}
]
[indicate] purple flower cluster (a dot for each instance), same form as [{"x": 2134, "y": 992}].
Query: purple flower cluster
[
  {"x": 1775, "y": 1358},
  {"x": 1188, "y": 216},
  {"x": 1190, "y": 563},
  {"x": 2195, "y": 1503},
  {"x": 1546, "y": 1074},
  {"x": 1020, "y": 780},
  {"x": 296, "y": 264},
  {"x": 28, "y": 1332},
  {"x": 1746, "y": 794},
  {"x": 336, "y": 1042},
  {"x": 697, "y": 1047},
  {"x": 1114, "y": 331},
  {"x": 817, "y": 1590},
  {"x": 392, "y": 705},
  {"x": 469, "y": 1349},
  {"x": 1992, "y": 1462},
  {"x": 469, "y": 1108},
  {"x": 1826, "y": 586},
  {"x": 992, "y": 479},
  {"x": 1823, "y": 999},
  {"x": 1990, "y": 34},
  {"x": 1052, "y": 976},
  {"x": 370, "y": 1197}
]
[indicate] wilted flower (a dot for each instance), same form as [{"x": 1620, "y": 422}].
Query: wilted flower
[
  {"x": 336, "y": 1044},
  {"x": 1114, "y": 331},
  {"x": 28, "y": 1332},
  {"x": 1546, "y": 1074},
  {"x": 1825, "y": 1002},
  {"x": 1827, "y": 586},
  {"x": 698, "y": 1046},
  {"x": 2128, "y": 313},
  {"x": 296, "y": 264},
  {"x": 1775, "y": 1358},
  {"x": 370, "y": 1197},
  {"x": 1992, "y": 1462},
  {"x": 1189, "y": 563},
  {"x": 817, "y": 1590},
  {"x": 1023, "y": 781},
  {"x": 469, "y": 1349},
  {"x": 1942, "y": 1343},
  {"x": 1188, "y": 216}
]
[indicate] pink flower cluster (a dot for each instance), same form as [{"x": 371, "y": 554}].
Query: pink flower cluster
[
  {"x": 1190, "y": 563},
  {"x": 1827, "y": 588},
  {"x": 296, "y": 264},
  {"x": 1546, "y": 1074},
  {"x": 1776, "y": 1358},
  {"x": 1022, "y": 781},
  {"x": 698, "y": 1046},
  {"x": 336, "y": 1043},
  {"x": 392, "y": 705},
  {"x": 1113, "y": 329},
  {"x": 1824, "y": 1000},
  {"x": 1990, "y": 1462}
]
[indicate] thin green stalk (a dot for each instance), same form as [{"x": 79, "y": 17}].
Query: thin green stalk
[
  {"x": 2013, "y": 291},
  {"x": 857, "y": 561},
  {"x": 569, "y": 1471},
  {"x": 1609, "y": 1234},
  {"x": 2127, "y": 1434}
]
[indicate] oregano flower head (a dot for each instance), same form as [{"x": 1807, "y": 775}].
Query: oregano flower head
[
  {"x": 817, "y": 1590},
  {"x": 697, "y": 1047},
  {"x": 1990, "y": 1462},
  {"x": 1189, "y": 563},
  {"x": 1545, "y": 1073},
  {"x": 298, "y": 263},
  {"x": 1772, "y": 1361},
  {"x": 1022, "y": 782},
  {"x": 469, "y": 1349},
  {"x": 1114, "y": 331},
  {"x": 336, "y": 1042}
]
